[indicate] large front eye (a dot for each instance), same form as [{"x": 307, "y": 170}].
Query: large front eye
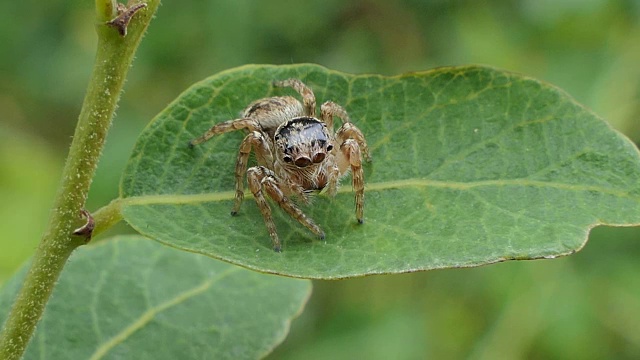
[
  {"x": 287, "y": 159},
  {"x": 329, "y": 147},
  {"x": 318, "y": 157},
  {"x": 303, "y": 161}
]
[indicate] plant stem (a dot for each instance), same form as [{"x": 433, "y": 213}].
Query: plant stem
[
  {"x": 107, "y": 216},
  {"x": 113, "y": 59}
]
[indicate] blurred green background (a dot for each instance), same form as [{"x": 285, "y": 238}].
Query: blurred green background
[{"x": 586, "y": 306}]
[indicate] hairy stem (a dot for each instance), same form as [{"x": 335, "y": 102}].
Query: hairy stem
[
  {"x": 113, "y": 59},
  {"x": 107, "y": 216}
]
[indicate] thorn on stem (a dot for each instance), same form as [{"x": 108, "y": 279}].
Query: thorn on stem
[
  {"x": 121, "y": 22},
  {"x": 86, "y": 230}
]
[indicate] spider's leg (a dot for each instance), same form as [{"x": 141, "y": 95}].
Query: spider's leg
[
  {"x": 332, "y": 188},
  {"x": 351, "y": 152},
  {"x": 262, "y": 178},
  {"x": 223, "y": 127},
  {"x": 254, "y": 178},
  {"x": 330, "y": 109},
  {"x": 352, "y": 146},
  {"x": 260, "y": 146},
  {"x": 272, "y": 186},
  {"x": 350, "y": 131},
  {"x": 308, "y": 98}
]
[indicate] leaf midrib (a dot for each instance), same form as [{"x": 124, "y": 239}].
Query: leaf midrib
[
  {"x": 381, "y": 186},
  {"x": 151, "y": 313}
]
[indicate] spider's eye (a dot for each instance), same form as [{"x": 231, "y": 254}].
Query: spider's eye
[
  {"x": 303, "y": 161},
  {"x": 318, "y": 157},
  {"x": 287, "y": 158},
  {"x": 329, "y": 147}
]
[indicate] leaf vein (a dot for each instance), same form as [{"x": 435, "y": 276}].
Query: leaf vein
[
  {"x": 381, "y": 186},
  {"x": 150, "y": 314}
]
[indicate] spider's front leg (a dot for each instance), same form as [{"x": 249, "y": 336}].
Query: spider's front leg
[
  {"x": 260, "y": 146},
  {"x": 308, "y": 98},
  {"x": 259, "y": 178},
  {"x": 223, "y": 127},
  {"x": 352, "y": 145},
  {"x": 351, "y": 151},
  {"x": 330, "y": 109},
  {"x": 347, "y": 131},
  {"x": 350, "y": 131}
]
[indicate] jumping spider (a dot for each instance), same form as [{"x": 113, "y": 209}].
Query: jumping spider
[{"x": 297, "y": 153}]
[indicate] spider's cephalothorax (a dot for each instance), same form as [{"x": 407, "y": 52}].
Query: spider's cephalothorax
[{"x": 297, "y": 153}]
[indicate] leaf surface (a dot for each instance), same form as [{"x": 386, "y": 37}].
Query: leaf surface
[
  {"x": 132, "y": 298},
  {"x": 471, "y": 165}
]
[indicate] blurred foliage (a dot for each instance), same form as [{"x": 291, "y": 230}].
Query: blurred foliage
[{"x": 584, "y": 306}]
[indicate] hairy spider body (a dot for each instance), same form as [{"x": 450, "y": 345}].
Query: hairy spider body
[{"x": 297, "y": 154}]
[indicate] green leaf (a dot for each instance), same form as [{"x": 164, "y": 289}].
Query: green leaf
[
  {"x": 471, "y": 166},
  {"x": 131, "y": 298}
]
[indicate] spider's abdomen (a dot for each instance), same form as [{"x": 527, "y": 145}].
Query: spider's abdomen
[{"x": 272, "y": 112}]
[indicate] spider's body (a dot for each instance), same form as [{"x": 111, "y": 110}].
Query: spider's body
[{"x": 297, "y": 153}]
